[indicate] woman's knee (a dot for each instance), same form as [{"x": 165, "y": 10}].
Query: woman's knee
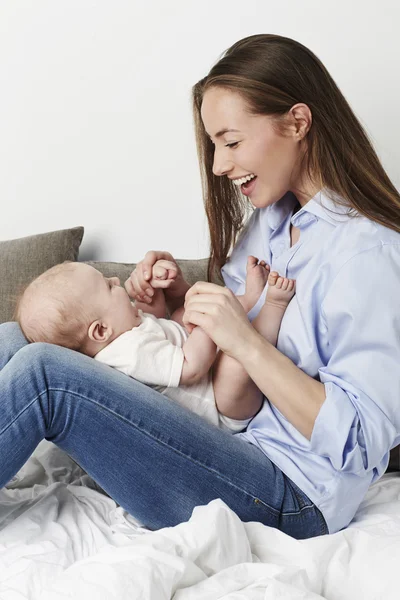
[
  {"x": 11, "y": 331},
  {"x": 46, "y": 358},
  {"x": 48, "y": 353},
  {"x": 11, "y": 341},
  {"x": 59, "y": 365}
]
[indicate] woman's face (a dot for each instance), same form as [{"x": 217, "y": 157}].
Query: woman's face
[{"x": 248, "y": 146}]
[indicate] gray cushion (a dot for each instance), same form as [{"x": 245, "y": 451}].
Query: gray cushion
[{"x": 23, "y": 259}]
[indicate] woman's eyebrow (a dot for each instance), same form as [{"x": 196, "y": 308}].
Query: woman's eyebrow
[{"x": 223, "y": 131}]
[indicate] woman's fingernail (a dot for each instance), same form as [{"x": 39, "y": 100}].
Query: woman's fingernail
[{"x": 150, "y": 292}]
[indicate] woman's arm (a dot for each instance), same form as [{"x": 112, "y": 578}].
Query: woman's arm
[{"x": 297, "y": 396}]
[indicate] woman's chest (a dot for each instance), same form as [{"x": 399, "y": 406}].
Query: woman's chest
[{"x": 303, "y": 335}]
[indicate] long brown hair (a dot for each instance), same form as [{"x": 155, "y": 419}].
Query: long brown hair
[{"x": 272, "y": 73}]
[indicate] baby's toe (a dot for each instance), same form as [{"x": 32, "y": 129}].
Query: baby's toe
[
  {"x": 272, "y": 278},
  {"x": 285, "y": 283},
  {"x": 252, "y": 261},
  {"x": 265, "y": 266}
]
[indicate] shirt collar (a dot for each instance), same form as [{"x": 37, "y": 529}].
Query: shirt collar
[
  {"x": 278, "y": 212},
  {"x": 321, "y": 206}
]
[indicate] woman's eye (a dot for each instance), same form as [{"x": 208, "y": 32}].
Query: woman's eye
[{"x": 232, "y": 145}]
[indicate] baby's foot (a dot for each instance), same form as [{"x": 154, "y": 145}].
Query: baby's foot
[
  {"x": 256, "y": 277},
  {"x": 280, "y": 290}
]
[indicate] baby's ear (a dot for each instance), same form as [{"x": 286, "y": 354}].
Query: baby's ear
[{"x": 99, "y": 332}]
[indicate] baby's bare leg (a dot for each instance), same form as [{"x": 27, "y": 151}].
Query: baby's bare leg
[
  {"x": 256, "y": 278},
  {"x": 280, "y": 292},
  {"x": 236, "y": 395}
]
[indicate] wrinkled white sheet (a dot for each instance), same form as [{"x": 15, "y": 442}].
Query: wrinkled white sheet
[{"x": 61, "y": 537}]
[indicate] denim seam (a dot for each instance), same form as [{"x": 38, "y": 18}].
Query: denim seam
[
  {"x": 102, "y": 407},
  {"x": 22, "y": 412}
]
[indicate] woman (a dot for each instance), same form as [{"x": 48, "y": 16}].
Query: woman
[{"x": 271, "y": 122}]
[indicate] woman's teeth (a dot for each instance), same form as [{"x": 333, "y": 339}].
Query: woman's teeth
[{"x": 243, "y": 180}]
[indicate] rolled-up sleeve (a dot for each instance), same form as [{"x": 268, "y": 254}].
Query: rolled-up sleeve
[{"x": 360, "y": 419}]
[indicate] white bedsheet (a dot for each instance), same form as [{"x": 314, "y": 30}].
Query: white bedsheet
[{"x": 61, "y": 537}]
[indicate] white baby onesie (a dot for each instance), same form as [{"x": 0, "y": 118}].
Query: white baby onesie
[{"x": 152, "y": 353}]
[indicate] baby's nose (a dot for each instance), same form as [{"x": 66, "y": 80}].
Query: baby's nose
[{"x": 115, "y": 280}]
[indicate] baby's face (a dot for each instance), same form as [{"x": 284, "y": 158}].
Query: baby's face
[{"x": 107, "y": 300}]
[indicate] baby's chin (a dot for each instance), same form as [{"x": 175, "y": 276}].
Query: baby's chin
[
  {"x": 137, "y": 321},
  {"x": 136, "y": 318}
]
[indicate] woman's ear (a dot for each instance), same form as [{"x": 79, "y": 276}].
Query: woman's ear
[
  {"x": 301, "y": 120},
  {"x": 99, "y": 332}
]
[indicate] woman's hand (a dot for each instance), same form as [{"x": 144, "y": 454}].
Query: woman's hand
[
  {"x": 219, "y": 313},
  {"x": 158, "y": 269}
]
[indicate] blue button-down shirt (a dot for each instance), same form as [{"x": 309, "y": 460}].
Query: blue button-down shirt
[{"x": 342, "y": 327}]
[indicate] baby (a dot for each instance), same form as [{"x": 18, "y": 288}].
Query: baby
[{"x": 74, "y": 305}]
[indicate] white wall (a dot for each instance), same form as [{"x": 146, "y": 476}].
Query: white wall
[{"x": 96, "y": 125}]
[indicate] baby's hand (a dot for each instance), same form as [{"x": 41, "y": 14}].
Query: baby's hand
[
  {"x": 138, "y": 284},
  {"x": 164, "y": 273}
]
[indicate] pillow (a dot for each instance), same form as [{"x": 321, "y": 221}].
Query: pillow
[{"x": 24, "y": 259}]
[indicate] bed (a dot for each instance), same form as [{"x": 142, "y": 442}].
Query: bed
[{"x": 63, "y": 537}]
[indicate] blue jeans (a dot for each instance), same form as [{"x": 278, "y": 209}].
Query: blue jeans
[{"x": 155, "y": 458}]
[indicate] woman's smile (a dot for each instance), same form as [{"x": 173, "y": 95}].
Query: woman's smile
[{"x": 248, "y": 187}]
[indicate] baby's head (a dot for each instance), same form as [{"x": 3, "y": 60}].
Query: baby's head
[{"x": 74, "y": 305}]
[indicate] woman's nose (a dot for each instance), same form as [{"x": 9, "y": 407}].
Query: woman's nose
[{"x": 221, "y": 165}]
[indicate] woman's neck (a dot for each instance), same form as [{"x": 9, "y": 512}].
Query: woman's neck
[{"x": 305, "y": 187}]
